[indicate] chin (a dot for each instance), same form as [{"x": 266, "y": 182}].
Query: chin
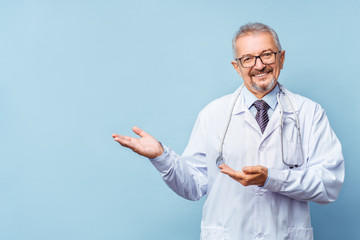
[{"x": 264, "y": 87}]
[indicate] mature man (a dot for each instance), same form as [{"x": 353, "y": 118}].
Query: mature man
[{"x": 278, "y": 152}]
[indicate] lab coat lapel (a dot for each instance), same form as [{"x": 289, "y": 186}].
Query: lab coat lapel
[
  {"x": 275, "y": 119},
  {"x": 242, "y": 110},
  {"x": 249, "y": 119},
  {"x": 274, "y": 123}
]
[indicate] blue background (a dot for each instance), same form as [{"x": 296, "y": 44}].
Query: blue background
[{"x": 74, "y": 72}]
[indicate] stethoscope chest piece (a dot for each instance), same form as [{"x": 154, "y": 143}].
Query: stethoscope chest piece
[{"x": 220, "y": 160}]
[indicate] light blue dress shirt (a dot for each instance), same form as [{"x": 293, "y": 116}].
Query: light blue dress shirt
[{"x": 269, "y": 98}]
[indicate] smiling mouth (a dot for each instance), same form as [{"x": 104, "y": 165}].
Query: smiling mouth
[{"x": 261, "y": 75}]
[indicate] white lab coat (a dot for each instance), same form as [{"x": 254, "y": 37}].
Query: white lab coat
[{"x": 279, "y": 209}]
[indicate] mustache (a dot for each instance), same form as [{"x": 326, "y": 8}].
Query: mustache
[{"x": 266, "y": 69}]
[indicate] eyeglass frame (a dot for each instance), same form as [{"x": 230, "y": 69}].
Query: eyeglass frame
[{"x": 256, "y": 57}]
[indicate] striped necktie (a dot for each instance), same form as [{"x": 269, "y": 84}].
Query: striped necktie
[{"x": 261, "y": 116}]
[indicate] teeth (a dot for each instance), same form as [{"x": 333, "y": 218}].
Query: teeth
[{"x": 260, "y": 75}]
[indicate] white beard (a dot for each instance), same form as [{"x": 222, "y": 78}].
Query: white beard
[{"x": 264, "y": 88}]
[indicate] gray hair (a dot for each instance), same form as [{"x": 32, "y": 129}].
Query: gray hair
[{"x": 250, "y": 28}]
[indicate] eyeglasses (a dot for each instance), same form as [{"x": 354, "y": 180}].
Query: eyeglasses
[{"x": 265, "y": 58}]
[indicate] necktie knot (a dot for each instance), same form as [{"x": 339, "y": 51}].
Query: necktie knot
[{"x": 261, "y": 105}]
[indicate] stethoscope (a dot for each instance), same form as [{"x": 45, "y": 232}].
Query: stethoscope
[{"x": 220, "y": 160}]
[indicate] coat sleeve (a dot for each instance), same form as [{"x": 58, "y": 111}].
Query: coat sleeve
[
  {"x": 323, "y": 176},
  {"x": 186, "y": 175}
]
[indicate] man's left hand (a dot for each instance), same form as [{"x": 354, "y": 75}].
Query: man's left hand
[{"x": 251, "y": 175}]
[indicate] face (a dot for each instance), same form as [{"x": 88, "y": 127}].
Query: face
[{"x": 261, "y": 78}]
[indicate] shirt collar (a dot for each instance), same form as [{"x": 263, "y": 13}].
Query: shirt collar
[{"x": 269, "y": 98}]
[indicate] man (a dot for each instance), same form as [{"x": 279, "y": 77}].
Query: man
[{"x": 272, "y": 167}]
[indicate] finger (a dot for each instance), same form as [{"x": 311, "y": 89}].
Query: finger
[
  {"x": 114, "y": 135},
  {"x": 231, "y": 172},
  {"x": 139, "y": 132},
  {"x": 224, "y": 167},
  {"x": 125, "y": 141},
  {"x": 124, "y": 138},
  {"x": 129, "y": 145},
  {"x": 121, "y": 140},
  {"x": 252, "y": 169}
]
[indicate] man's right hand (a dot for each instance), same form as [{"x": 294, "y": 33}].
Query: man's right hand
[{"x": 146, "y": 145}]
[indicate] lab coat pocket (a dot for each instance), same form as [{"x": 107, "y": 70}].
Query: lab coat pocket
[
  {"x": 214, "y": 233},
  {"x": 293, "y": 154},
  {"x": 300, "y": 234}
]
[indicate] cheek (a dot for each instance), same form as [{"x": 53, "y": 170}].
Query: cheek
[
  {"x": 277, "y": 69},
  {"x": 246, "y": 73}
]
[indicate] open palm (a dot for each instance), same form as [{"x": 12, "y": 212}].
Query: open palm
[{"x": 146, "y": 145}]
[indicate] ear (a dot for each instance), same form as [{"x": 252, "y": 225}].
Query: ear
[
  {"x": 282, "y": 59},
  {"x": 236, "y": 66}
]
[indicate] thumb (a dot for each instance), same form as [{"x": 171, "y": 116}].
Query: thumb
[{"x": 139, "y": 132}]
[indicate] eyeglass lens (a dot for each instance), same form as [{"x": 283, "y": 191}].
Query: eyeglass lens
[{"x": 266, "y": 58}]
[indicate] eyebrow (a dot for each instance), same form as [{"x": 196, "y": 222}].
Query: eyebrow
[{"x": 250, "y": 55}]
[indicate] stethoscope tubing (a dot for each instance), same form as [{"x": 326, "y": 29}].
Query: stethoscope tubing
[
  {"x": 220, "y": 160},
  {"x": 281, "y": 128}
]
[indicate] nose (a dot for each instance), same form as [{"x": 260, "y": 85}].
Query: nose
[{"x": 259, "y": 65}]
